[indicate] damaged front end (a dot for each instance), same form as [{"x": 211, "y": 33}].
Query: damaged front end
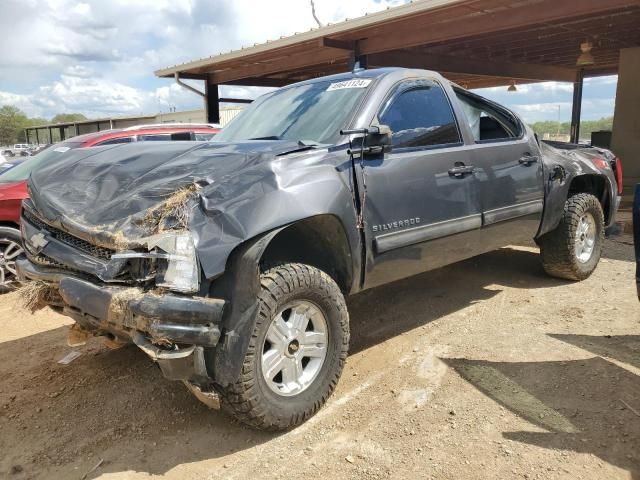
[{"x": 143, "y": 291}]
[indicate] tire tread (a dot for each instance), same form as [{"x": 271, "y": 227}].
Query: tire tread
[
  {"x": 557, "y": 246},
  {"x": 242, "y": 399}
]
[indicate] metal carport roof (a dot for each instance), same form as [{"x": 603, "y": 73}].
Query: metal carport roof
[{"x": 474, "y": 42}]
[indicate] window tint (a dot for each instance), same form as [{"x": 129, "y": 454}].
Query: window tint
[
  {"x": 155, "y": 138},
  {"x": 488, "y": 121},
  {"x": 115, "y": 141},
  {"x": 420, "y": 116}
]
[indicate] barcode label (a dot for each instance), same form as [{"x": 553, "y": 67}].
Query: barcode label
[{"x": 354, "y": 83}]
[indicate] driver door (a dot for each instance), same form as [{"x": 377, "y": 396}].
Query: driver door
[{"x": 422, "y": 198}]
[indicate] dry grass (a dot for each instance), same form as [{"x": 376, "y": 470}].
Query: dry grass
[
  {"x": 120, "y": 303},
  {"x": 35, "y": 295},
  {"x": 174, "y": 211},
  {"x": 120, "y": 241}
]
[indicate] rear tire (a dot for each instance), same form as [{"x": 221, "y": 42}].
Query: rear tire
[
  {"x": 10, "y": 248},
  {"x": 572, "y": 251},
  {"x": 297, "y": 350}
]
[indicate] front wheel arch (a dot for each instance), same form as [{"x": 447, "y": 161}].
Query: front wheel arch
[
  {"x": 319, "y": 241},
  {"x": 240, "y": 283}
]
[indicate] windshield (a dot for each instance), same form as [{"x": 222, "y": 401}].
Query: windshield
[
  {"x": 23, "y": 170},
  {"x": 312, "y": 113}
]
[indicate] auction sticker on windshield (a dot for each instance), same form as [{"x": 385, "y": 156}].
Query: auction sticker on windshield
[{"x": 355, "y": 83}]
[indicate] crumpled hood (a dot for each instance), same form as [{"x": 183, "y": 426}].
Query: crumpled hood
[{"x": 98, "y": 190}]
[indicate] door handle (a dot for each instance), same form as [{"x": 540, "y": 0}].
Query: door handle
[
  {"x": 527, "y": 160},
  {"x": 460, "y": 170}
]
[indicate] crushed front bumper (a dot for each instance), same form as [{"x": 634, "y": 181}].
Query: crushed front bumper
[{"x": 173, "y": 330}]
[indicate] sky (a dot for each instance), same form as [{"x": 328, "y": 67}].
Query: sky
[{"x": 97, "y": 57}]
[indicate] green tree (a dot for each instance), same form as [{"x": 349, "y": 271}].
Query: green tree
[
  {"x": 68, "y": 117},
  {"x": 12, "y": 124},
  {"x": 564, "y": 128}
]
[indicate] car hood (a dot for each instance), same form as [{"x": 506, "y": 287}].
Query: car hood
[{"x": 100, "y": 192}]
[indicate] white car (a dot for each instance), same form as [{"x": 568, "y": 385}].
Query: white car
[{"x": 18, "y": 149}]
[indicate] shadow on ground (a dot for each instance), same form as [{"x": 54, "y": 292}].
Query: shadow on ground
[
  {"x": 587, "y": 406},
  {"x": 57, "y": 421},
  {"x": 619, "y": 247},
  {"x": 382, "y": 313},
  {"x": 624, "y": 348}
]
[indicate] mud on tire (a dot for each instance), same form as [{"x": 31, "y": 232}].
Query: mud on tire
[
  {"x": 560, "y": 257},
  {"x": 253, "y": 399}
]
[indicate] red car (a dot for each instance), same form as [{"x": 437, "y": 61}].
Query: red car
[{"x": 13, "y": 183}]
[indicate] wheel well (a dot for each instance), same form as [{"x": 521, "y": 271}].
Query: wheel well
[
  {"x": 10, "y": 225},
  {"x": 318, "y": 241},
  {"x": 595, "y": 185}
]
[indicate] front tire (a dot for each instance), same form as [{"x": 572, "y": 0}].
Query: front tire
[
  {"x": 572, "y": 251},
  {"x": 296, "y": 353}
]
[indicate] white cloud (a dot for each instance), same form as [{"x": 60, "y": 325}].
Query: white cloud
[
  {"x": 76, "y": 91},
  {"x": 556, "y": 87},
  {"x": 97, "y": 57},
  {"x": 80, "y": 71},
  {"x": 521, "y": 89},
  {"x": 540, "y": 101}
]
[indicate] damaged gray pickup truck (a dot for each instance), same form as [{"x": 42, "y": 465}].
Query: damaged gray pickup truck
[{"x": 228, "y": 262}]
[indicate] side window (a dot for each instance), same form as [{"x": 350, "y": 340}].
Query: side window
[
  {"x": 488, "y": 122},
  {"x": 420, "y": 116},
  {"x": 155, "y": 138},
  {"x": 115, "y": 141},
  {"x": 181, "y": 136}
]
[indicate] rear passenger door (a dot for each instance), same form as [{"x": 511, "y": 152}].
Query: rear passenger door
[
  {"x": 422, "y": 198},
  {"x": 509, "y": 169}
]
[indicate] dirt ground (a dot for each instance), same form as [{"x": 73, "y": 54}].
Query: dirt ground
[{"x": 484, "y": 369}]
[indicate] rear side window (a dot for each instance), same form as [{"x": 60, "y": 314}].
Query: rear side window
[
  {"x": 488, "y": 122},
  {"x": 420, "y": 115},
  {"x": 115, "y": 141},
  {"x": 155, "y": 138}
]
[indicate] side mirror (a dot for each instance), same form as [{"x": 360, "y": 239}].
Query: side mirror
[
  {"x": 378, "y": 139},
  {"x": 375, "y": 139}
]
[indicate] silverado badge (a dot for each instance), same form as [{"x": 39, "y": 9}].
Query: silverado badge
[{"x": 409, "y": 222}]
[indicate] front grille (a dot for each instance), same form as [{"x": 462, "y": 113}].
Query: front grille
[{"x": 93, "y": 250}]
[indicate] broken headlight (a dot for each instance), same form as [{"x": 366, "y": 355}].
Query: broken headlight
[{"x": 177, "y": 270}]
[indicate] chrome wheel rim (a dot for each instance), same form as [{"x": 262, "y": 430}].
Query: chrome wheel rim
[
  {"x": 9, "y": 251},
  {"x": 294, "y": 348},
  {"x": 585, "y": 238}
]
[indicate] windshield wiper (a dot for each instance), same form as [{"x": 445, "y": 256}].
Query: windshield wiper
[
  {"x": 303, "y": 145},
  {"x": 311, "y": 144},
  {"x": 270, "y": 137}
]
